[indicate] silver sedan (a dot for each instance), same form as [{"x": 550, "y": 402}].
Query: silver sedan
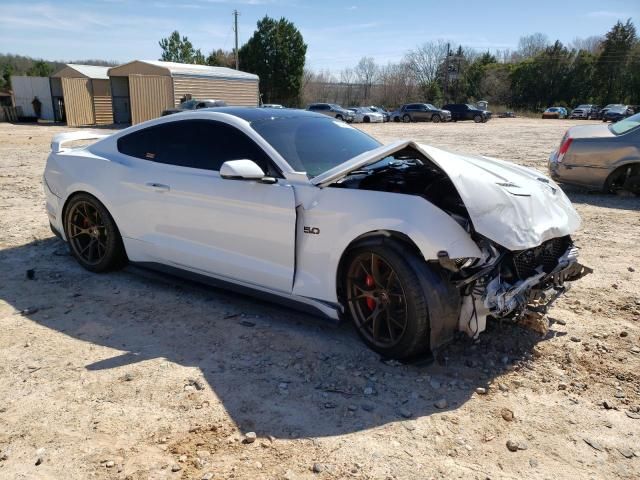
[{"x": 605, "y": 157}]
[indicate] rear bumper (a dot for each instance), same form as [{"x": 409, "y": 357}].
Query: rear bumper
[{"x": 54, "y": 206}]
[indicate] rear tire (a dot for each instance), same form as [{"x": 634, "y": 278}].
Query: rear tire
[
  {"x": 384, "y": 289},
  {"x": 625, "y": 178},
  {"x": 406, "y": 118},
  {"x": 92, "y": 234}
]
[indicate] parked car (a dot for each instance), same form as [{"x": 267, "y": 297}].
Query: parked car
[
  {"x": 555, "y": 112},
  {"x": 332, "y": 110},
  {"x": 366, "y": 115},
  {"x": 385, "y": 113},
  {"x": 605, "y": 157},
  {"x": 585, "y": 112},
  {"x": 409, "y": 241},
  {"x": 617, "y": 113},
  {"x": 464, "y": 111},
  {"x": 421, "y": 112},
  {"x": 194, "y": 105},
  {"x": 604, "y": 110},
  {"x": 271, "y": 105}
]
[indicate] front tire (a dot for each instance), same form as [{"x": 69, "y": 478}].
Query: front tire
[
  {"x": 339, "y": 117},
  {"x": 384, "y": 293},
  {"x": 477, "y": 118},
  {"x": 435, "y": 119},
  {"x": 92, "y": 234},
  {"x": 366, "y": 120}
]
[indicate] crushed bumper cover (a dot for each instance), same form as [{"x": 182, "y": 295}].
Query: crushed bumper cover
[{"x": 500, "y": 299}]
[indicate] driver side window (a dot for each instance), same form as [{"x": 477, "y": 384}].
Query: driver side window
[{"x": 204, "y": 144}]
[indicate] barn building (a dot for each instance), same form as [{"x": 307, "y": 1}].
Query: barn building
[
  {"x": 82, "y": 95},
  {"x": 142, "y": 89}
]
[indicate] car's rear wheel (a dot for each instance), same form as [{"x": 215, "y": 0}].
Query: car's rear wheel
[
  {"x": 477, "y": 118},
  {"x": 435, "y": 119},
  {"x": 625, "y": 178},
  {"x": 385, "y": 296},
  {"x": 406, "y": 118},
  {"x": 93, "y": 235}
]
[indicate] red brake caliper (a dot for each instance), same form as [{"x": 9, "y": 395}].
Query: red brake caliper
[{"x": 371, "y": 303}]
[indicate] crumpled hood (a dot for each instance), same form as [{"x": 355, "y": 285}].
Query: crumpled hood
[{"x": 516, "y": 207}]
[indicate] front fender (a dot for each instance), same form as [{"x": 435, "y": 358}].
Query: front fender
[{"x": 335, "y": 217}]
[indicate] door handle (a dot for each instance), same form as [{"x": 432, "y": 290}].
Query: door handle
[{"x": 158, "y": 187}]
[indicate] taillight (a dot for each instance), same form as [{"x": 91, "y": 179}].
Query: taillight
[{"x": 564, "y": 147}]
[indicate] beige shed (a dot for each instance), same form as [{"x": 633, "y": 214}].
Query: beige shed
[
  {"x": 142, "y": 89},
  {"x": 82, "y": 95}
]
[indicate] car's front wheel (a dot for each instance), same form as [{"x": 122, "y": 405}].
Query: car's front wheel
[
  {"x": 477, "y": 118},
  {"x": 385, "y": 295},
  {"x": 93, "y": 235},
  {"x": 435, "y": 119},
  {"x": 339, "y": 117}
]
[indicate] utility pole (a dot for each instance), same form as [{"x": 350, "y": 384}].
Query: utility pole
[
  {"x": 446, "y": 75},
  {"x": 235, "y": 29}
]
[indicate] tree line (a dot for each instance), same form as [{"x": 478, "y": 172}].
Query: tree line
[
  {"x": 540, "y": 73},
  {"x": 32, "y": 67}
]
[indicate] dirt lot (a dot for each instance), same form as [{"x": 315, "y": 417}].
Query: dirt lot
[{"x": 132, "y": 375}]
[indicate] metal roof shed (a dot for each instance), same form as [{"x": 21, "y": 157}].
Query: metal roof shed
[
  {"x": 154, "y": 86},
  {"x": 83, "y": 93}
]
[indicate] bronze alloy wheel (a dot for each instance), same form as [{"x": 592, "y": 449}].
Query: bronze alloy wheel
[
  {"x": 376, "y": 300},
  {"x": 88, "y": 236}
]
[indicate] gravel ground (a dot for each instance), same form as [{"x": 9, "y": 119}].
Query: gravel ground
[{"x": 132, "y": 375}]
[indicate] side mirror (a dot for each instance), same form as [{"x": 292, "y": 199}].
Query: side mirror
[{"x": 244, "y": 170}]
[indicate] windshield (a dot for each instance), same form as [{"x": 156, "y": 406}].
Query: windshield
[
  {"x": 472, "y": 107},
  {"x": 623, "y": 126},
  {"x": 553, "y": 109},
  {"x": 583, "y": 106},
  {"x": 430, "y": 107},
  {"x": 314, "y": 145}
]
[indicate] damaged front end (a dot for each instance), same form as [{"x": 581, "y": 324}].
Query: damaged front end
[{"x": 513, "y": 284}]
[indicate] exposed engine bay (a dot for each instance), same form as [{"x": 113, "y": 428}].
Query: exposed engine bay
[
  {"x": 501, "y": 284},
  {"x": 410, "y": 172}
]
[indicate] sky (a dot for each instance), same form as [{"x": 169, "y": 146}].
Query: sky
[{"x": 338, "y": 33}]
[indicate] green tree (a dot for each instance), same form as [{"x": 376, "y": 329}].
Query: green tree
[
  {"x": 40, "y": 69},
  {"x": 180, "y": 49},
  {"x": 276, "y": 53},
  {"x": 611, "y": 71},
  {"x": 221, "y": 58}
]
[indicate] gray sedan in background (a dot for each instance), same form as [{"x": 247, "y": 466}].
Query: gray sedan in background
[{"x": 606, "y": 157}]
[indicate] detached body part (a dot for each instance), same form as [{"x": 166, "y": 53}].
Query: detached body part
[{"x": 410, "y": 242}]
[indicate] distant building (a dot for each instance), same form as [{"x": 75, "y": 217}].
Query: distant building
[{"x": 142, "y": 89}]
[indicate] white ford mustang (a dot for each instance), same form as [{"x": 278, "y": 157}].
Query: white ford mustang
[{"x": 411, "y": 242}]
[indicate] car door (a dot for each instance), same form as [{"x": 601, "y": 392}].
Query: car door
[
  {"x": 422, "y": 113},
  {"x": 194, "y": 219}
]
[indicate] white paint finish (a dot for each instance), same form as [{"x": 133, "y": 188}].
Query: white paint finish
[
  {"x": 515, "y": 206},
  {"x": 247, "y": 169},
  {"x": 246, "y": 232},
  {"x": 237, "y": 229},
  {"x": 25, "y": 89},
  {"x": 431, "y": 229}
]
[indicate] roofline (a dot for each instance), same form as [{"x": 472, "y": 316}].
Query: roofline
[{"x": 191, "y": 75}]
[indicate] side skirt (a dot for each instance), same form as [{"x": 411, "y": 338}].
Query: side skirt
[{"x": 307, "y": 305}]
